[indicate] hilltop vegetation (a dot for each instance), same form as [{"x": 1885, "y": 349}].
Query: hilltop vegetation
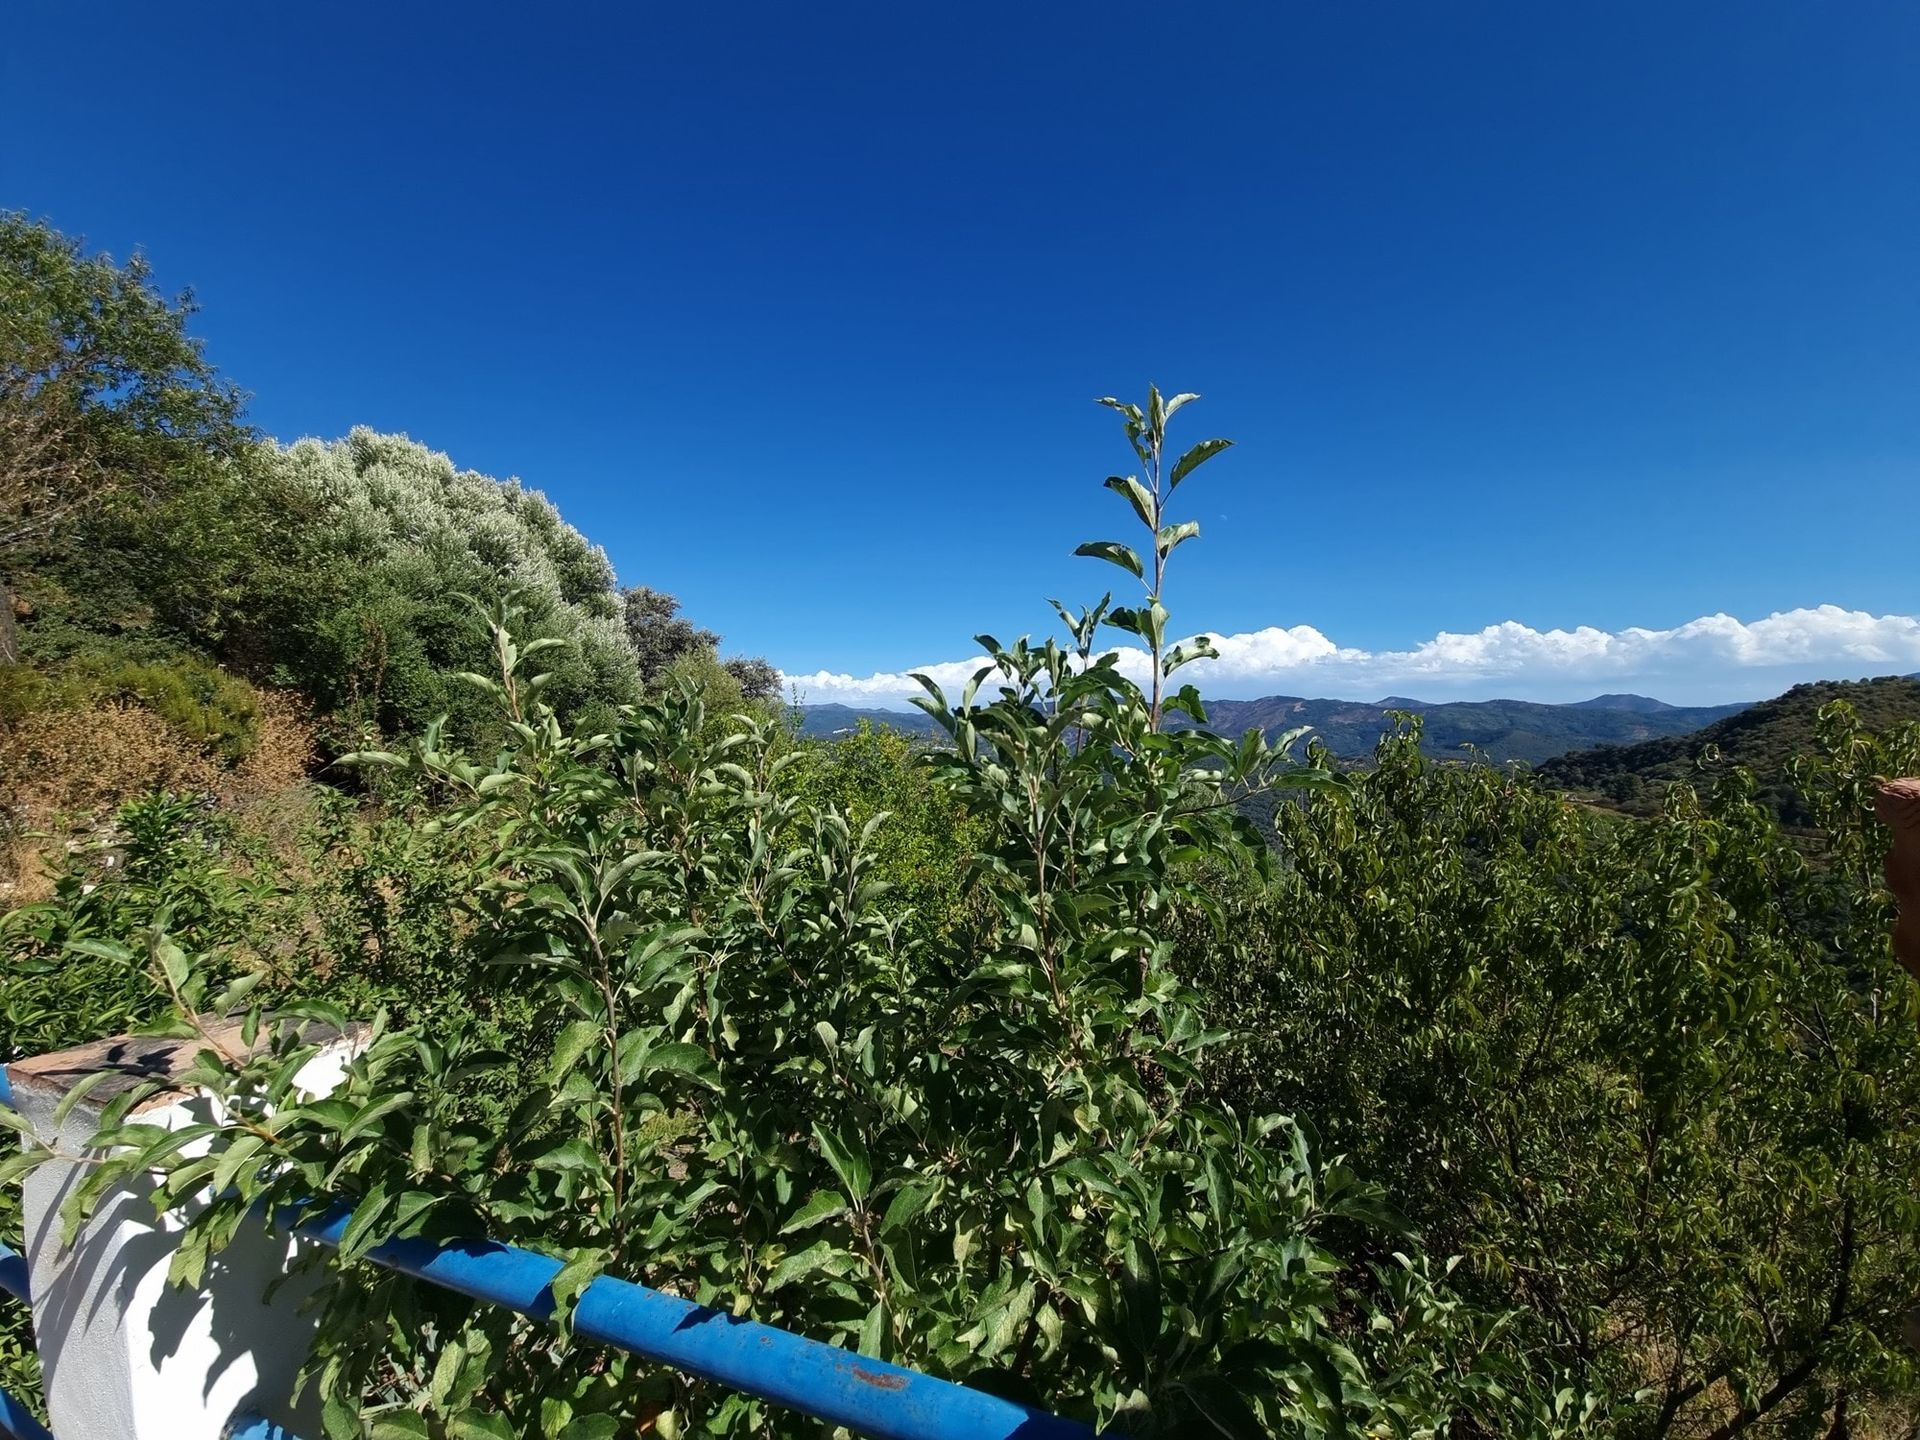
[
  {"x": 1025, "y": 1058},
  {"x": 185, "y": 602},
  {"x": 1765, "y": 739}
]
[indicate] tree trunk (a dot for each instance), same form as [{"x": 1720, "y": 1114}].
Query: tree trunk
[{"x": 9, "y": 632}]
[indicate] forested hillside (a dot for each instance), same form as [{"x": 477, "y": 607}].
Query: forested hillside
[
  {"x": 186, "y": 602},
  {"x": 1764, "y": 738}
]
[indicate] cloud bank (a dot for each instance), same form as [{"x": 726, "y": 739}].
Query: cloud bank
[{"x": 1706, "y": 661}]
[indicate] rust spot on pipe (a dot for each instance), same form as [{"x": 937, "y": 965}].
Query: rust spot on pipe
[
  {"x": 1898, "y": 806},
  {"x": 878, "y": 1380}
]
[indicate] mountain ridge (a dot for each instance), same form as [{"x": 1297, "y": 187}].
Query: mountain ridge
[{"x": 1499, "y": 730}]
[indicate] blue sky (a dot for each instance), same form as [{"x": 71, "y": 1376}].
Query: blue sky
[{"x": 1528, "y": 316}]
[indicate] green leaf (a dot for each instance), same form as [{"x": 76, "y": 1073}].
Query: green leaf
[
  {"x": 1114, "y": 553},
  {"x": 103, "y": 949},
  {"x": 907, "y": 1203},
  {"x": 340, "y": 1418},
  {"x": 574, "y": 1277},
  {"x": 1194, "y": 459},
  {"x": 821, "y": 1205},
  {"x": 873, "y": 1331},
  {"x": 572, "y": 1042},
  {"x": 1136, "y": 495},
  {"x": 1171, "y": 537},
  {"x": 575, "y": 1154},
  {"x": 236, "y": 1156},
  {"x": 446, "y": 1373},
  {"x": 398, "y": 1425},
  {"x": 173, "y": 962},
  {"x": 479, "y": 1425},
  {"x": 372, "y": 1112},
  {"x": 683, "y": 1059},
  {"x": 848, "y": 1157},
  {"x": 821, "y": 1255}
]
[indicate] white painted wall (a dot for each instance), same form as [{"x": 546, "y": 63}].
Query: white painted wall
[{"x": 123, "y": 1353}]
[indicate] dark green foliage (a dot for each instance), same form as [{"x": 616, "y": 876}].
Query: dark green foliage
[
  {"x": 1659, "y": 1083},
  {"x": 142, "y": 523},
  {"x": 758, "y": 679},
  {"x": 1764, "y": 739},
  {"x": 101, "y": 387},
  {"x": 663, "y": 638},
  {"x": 981, "y": 1154},
  {"x": 658, "y": 632}
]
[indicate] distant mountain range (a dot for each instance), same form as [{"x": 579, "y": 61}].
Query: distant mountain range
[
  {"x": 829, "y": 720},
  {"x": 1618, "y": 752},
  {"x": 1501, "y": 729}
]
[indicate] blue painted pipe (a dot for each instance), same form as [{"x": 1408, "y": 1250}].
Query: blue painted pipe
[
  {"x": 13, "y": 1272},
  {"x": 869, "y": 1397},
  {"x": 17, "y": 1424},
  {"x": 249, "y": 1426}
]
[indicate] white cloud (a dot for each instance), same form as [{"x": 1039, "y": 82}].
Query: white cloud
[{"x": 1711, "y": 659}]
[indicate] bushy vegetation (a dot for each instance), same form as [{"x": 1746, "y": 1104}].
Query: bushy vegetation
[
  {"x": 1764, "y": 739},
  {"x": 156, "y": 554},
  {"x": 1657, "y": 1083},
  {"x": 1445, "y": 1107}
]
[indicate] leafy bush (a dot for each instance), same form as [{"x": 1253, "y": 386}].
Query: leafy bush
[
  {"x": 982, "y": 1149},
  {"x": 1660, "y": 1083},
  {"x": 409, "y": 536},
  {"x": 923, "y": 835},
  {"x": 202, "y": 703},
  {"x": 767, "y": 1096}
]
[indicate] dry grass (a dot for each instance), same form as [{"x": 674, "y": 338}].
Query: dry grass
[{"x": 62, "y": 771}]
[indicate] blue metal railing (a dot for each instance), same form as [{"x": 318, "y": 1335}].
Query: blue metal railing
[
  {"x": 869, "y": 1397},
  {"x": 13, "y": 1273},
  {"x": 16, "y": 1421}
]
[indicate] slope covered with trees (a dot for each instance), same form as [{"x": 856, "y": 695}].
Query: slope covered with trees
[
  {"x": 1764, "y": 739},
  {"x": 182, "y": 600}
]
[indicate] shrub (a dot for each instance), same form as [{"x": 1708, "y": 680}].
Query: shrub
[
  {"x": 980, "y": 1149},
  {"x": 1659, "y": 1082}
]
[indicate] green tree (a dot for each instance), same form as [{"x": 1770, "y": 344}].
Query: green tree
[
  {"x": 984, "y": 1149},
  {"x": 1658, "y": 1082},
  {"x": 100, "y": 383},
  {"x": 101, "y": 389},
  {"x": 658, "y": 632}
]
